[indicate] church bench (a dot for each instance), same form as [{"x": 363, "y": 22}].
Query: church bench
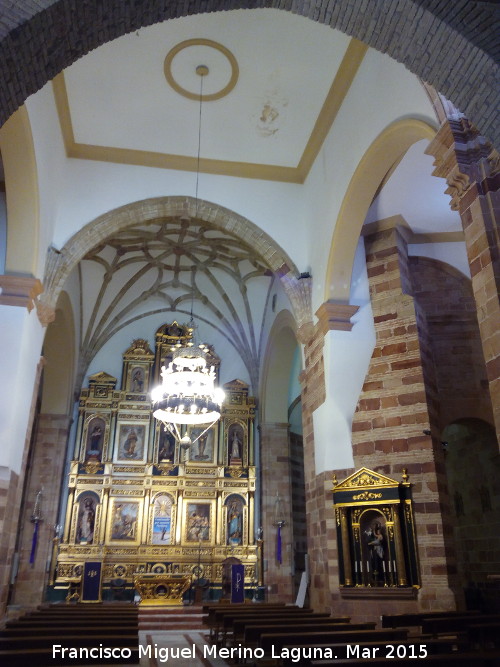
[
  {"x": 83, "y": 626},
  {"x": 344, "y": 634},
  {"x": 68, "y": 629},
  {"x": 411, "y": 646},
  {"x": 255, "y": 634},
  {"x": 42, "y": 657},
  {"x": 216, "y": 623},
  {"x": 447, "y": 624},
  {"x": 240, "y": 626},
  {"x": 128, "y": 640},
  {"x": 484, "y": 635},
  {"x": 411, "y": 619},
  {"x": 466, "y": 659}
]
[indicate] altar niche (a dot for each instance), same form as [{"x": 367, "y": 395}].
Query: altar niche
[
  {"x": 375, "y": 534},
  {"x": 138, "y": 502}
]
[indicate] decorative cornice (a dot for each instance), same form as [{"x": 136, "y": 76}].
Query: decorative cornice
[
  {"x": 19, "y": 291},
  {"x": 335, "y": 316},
  {"x": 463, "y": 157}
]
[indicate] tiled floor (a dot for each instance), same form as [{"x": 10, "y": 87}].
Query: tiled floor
[{"x": 166, "y": 649}]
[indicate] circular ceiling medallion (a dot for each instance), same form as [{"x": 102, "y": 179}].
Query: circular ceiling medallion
[{"x": 183, "y": 60}]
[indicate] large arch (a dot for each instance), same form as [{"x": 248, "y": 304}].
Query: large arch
[
  {"x": 22, "y": 195},
  {"x": 428, "y": 36},
  {"x": 384, "y": 152},
  {"x": 278, "y": 360},
  {"x": 61, "y": 263}
]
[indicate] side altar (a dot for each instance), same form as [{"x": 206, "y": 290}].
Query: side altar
[{"x": 142, "y": 503}]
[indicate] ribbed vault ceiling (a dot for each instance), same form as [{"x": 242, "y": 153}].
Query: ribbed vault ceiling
[{"x": 175, "y": 265}]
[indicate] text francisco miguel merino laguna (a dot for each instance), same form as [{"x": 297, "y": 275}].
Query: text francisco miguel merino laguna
[{"x": 294, "y": 654}]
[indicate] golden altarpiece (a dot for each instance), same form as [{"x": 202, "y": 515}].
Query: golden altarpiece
[{"x": 141, "y": 503}]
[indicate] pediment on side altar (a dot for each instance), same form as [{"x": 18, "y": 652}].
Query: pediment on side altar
[{"x": 365, "y": 478}]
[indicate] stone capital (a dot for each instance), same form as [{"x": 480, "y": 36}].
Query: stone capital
[
  {"x": 464, "y": 158},
  {"x": 335, "y": 316},
  {"x": 19, "y": 291}
]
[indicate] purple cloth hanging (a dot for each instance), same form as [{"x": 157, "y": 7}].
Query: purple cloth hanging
[
  {"x": 34, "y": 542},
  {"x": 278, "y": 545}
]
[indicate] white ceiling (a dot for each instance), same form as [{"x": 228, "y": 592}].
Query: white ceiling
[{"x": 267, "y": 118}]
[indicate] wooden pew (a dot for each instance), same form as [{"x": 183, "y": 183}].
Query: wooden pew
[
  {"x": 43, "y": 658},
  {"x": 484, "y": 635},
  {"x": 344, "y": 634},
  {"x": 73, "y": 640},
  {"x": 455, "y": 623},
  {"x": 216, "y": 624},
  {"x": 415, "y": 619},
  {"x": 240, "y": 625},
  {"x": 467, "y": 659},
  {"x": 409, "y": 647}
]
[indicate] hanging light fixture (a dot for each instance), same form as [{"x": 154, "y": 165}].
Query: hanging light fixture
[{"x": 187, "y": 395}]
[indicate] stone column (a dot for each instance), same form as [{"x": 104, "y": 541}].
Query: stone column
[
  {"x": 275, "y": 465},
  {"x": 46, "y": 472},
  {"x": 395, "y": 425},
  {"x": 471, "y": 168}
]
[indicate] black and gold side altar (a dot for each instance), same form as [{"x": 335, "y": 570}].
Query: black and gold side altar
[
  {"x": 142, "y": 504},
  {"x": 375, "y": 536}
]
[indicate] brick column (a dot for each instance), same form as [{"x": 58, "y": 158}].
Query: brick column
[
  {"x": 276, "y": 479},
  {"x": 46, "y": 471},
  {"x": 398, "y": 407},
  {"x": 471, "y": 168}
]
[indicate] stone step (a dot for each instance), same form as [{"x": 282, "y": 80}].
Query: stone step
[{"x": 171, "y": 619}]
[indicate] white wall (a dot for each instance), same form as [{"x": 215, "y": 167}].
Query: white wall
[
  {"x": 21, "y": 338},
  {"x": 347, "y": 355}
]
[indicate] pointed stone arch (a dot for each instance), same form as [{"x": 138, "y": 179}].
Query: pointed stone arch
[{"x": 60, "y": 263}]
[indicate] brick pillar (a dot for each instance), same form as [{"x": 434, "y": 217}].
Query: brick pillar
[
  {"x": 46, "y": 471},
  {"x": 398, "y": 407},
  {"x": 471, "y": 168},
  {"x": 275, "y": 466}
]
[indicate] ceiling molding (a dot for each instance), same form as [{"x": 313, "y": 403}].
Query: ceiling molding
[{"x": 342, "y": 82}]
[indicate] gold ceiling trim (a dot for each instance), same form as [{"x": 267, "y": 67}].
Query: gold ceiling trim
[
  {"x": 342, "y": 82},
  {"x": 213, "y": 45}
]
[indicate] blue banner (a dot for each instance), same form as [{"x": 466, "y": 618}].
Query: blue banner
[
  {"x": 237, "y": 583},
  {"x": 91, "y": 582}
]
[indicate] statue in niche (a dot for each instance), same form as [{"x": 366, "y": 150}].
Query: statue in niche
[
  {"x": 235, "y": 522},
  {"x": 86, "y": 521},
  {"x": 235, "y": 443},
  {"x": 95, "y": 439},
  {"x": 166, "y": 446},
  {"x": 137, "y": 381}
]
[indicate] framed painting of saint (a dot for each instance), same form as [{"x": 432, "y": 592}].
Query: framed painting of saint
[
  {"x": 131, "y": 442},
  {"x": 124, "y": 521},
  {"x": 199, "y": 522}
]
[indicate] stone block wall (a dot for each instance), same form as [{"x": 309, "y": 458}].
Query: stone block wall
[{"x": 45, "y": 474}]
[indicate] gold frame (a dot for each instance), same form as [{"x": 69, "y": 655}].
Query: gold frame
[
  {"x": 123, "y": 423},
  {"x": 89, "y": 417},
  {"x": 173, "y": 517},
  {"x": 212, "y": 525},
  {"x": 214, "y": 432},
  {"x": 113, "y": 506}
]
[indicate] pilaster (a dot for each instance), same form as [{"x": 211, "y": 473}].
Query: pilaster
[{"x": 470, "y": 166}]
